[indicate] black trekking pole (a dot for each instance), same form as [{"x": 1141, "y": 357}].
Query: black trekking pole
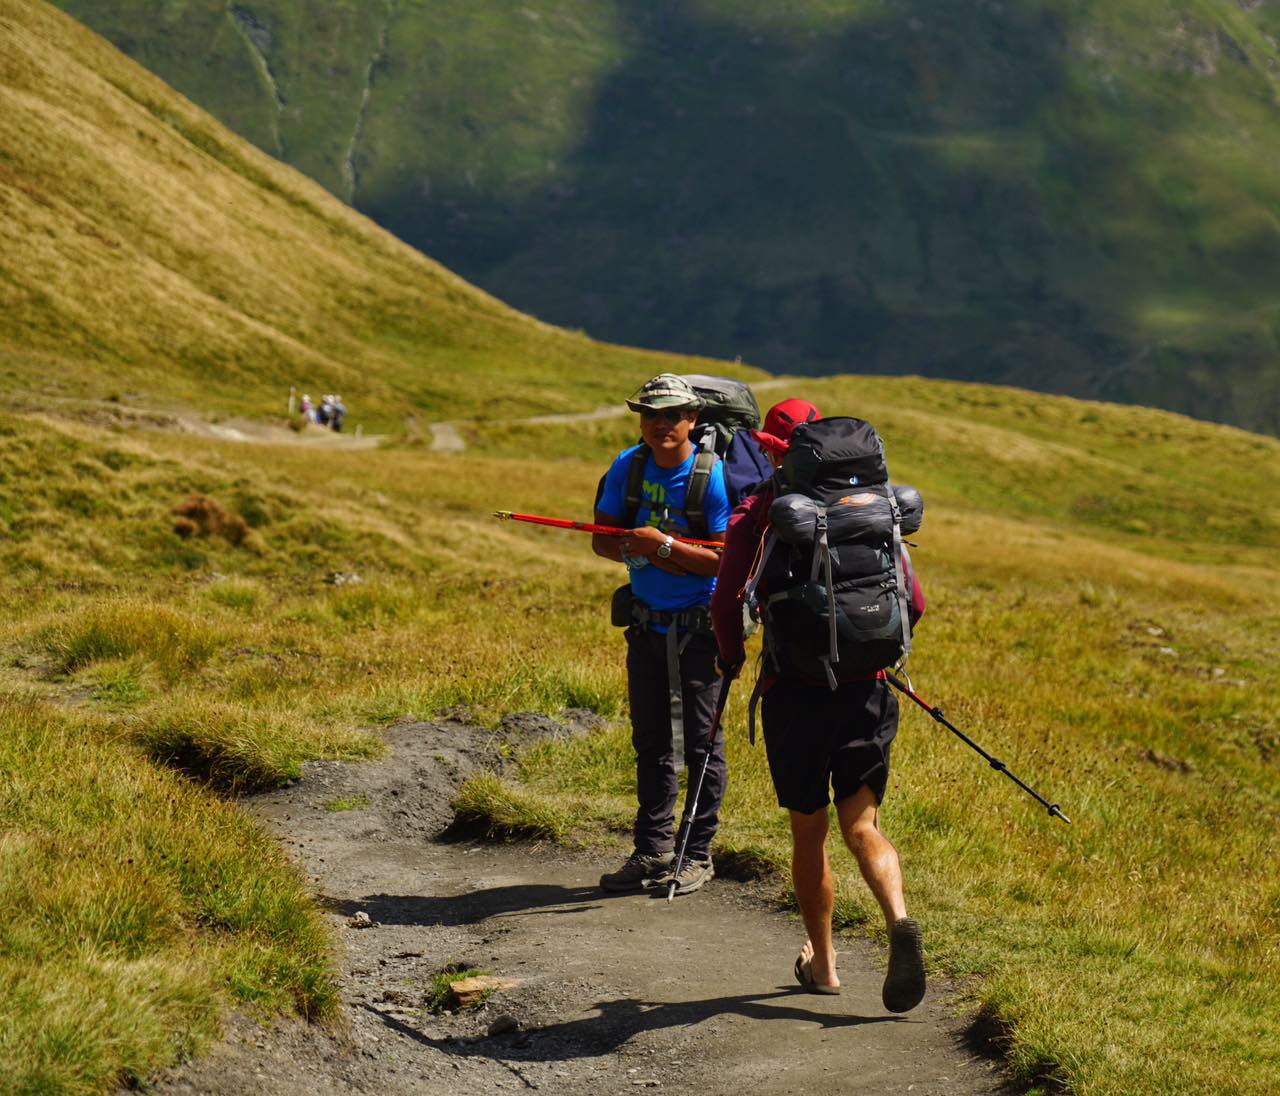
[
  {"x": 691, "y": 805},
  {"x": 994, "y": 762}
]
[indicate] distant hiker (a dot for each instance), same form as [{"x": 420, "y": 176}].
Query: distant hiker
[
  {"x": 820, "y": 537},
  {"x": 325, "y": 411},
  {"x": 307, "y": 408},
  {"x": 660, "y": 487},
  {"x": 337, "y": 412}
]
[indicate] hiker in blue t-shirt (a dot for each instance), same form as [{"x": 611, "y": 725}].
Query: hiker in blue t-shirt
[{"x": 658, "y": 490}]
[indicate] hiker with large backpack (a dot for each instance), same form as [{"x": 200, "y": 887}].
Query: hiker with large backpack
[
  {"x": 817, "y": 555},
  {"x": 673, "y": 484}
]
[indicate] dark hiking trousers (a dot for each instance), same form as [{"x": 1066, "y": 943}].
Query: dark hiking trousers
[{"x": 657, "y": 774}]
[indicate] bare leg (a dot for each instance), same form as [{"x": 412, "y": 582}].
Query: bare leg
[
  {"x": 877, "y": 858},
  {"x": 811, "y": 876}
]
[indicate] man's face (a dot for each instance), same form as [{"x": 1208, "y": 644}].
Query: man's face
[{"x": 667, "y": 429}]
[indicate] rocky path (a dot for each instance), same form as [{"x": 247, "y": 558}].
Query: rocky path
[{"x": 615, "y": 994}]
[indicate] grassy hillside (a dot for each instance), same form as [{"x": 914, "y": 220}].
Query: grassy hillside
[
  {"x": 1103, "y": 586},
  {"x": 1102, "y": 617},
  {"x": 148, "y": 253},
  {"x": 1076, "y": 197}
]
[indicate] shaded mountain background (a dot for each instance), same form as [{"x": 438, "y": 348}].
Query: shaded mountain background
[
  {"x": 146, "y": 252},
  {"x": 1068, "y": 195},
  {"x": 1104, "y": 580}
]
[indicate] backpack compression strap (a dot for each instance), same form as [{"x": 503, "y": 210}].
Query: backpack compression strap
[
  {"x": 822, "y": 562},
  {"x": 748, "y": 605},
  {"x": 899, "y": 572}
]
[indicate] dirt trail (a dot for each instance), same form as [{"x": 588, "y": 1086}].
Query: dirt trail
[
  {"x": 616, "y": 993},
  {"x": 445, "y": 437}
]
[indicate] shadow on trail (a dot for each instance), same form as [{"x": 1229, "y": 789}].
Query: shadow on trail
[
  {"x": 473, "y": 907},
  {"x": 618, "y": 1021}
]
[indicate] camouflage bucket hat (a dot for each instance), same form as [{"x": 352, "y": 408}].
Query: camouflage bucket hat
[{"x": 665, "y": 390}]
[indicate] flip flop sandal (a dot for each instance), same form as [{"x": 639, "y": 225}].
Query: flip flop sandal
[
  {"x": 904, "y": 983},
  {"x": 804, "y": 975}
]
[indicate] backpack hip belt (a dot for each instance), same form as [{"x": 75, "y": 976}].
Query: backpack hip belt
[{"x": 682, "y": 625}]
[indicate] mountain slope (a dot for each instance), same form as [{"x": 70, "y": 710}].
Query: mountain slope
[
  {"x": 145, "y": 249},
  {"x": 1078, "y": 197}
]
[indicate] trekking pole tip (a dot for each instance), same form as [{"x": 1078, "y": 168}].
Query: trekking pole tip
[
  {"x": 502, "y": 515},
  {"x": 671, "y": 892},
  {"x": 1056, "y": 812}
]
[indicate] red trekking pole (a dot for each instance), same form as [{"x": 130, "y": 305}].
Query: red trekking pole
[
  {"x": 590, "y": 527},
  {"x": 994, "y": 762}
]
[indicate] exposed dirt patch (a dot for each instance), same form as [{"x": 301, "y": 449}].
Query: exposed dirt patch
[{"x": 615, "y": 993}]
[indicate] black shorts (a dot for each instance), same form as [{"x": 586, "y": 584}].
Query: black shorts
[{"x": 818, "y": 738}]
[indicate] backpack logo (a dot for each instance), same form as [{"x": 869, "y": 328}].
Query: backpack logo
[
  {"x": 865, "y": 499},
  {"x": 853, "y": 481}
]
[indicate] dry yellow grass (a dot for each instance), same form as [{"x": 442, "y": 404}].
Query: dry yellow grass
[
  {"x": 1100, "y": 945},
  {"x": 146, "y": 250}
]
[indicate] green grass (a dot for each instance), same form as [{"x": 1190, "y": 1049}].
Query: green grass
[
  {"x": 347, "y": 803},
  {"x": 149, "y": 676},
  {"x": 1073, "y": 196},
  {"x": 135, "y": 907},
  {"x": 441, "y": 996},
  {"x": 1127, "y": 672},
  {"x": 202, "y": 665},
  {"x": 148, "y": 256}
]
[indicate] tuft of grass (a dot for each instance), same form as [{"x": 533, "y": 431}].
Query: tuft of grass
[
  {"x": 174, "y": 642},
  {"x": 133, "y": 907},
  {"x": 120, "y": 684},
  {"x": 238, "y": 749},
  {"x": 201, "y": 516},
  {"x": 441, "y": 998},
  {"x": 508, "y": 811},
  {"x": 242, "y": 595},
  {"x": 347, "y": 803}
]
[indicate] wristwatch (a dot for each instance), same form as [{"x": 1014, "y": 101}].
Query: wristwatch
[{"x": 664, "y": 549}]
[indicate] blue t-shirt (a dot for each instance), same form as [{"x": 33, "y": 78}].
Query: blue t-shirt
[{"x": 662, "y": 505}]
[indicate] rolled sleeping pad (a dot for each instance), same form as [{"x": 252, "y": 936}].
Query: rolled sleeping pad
[
  {"x": 794, "y": 517},
  {"x": 862, "y": 517},
  {"x": 911, "y": 505}
]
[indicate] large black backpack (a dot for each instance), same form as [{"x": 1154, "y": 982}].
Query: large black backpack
[
  {"x": 833, "y": 565},
  {"x": 729, "y": 412}
]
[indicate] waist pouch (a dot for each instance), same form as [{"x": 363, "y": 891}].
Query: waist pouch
[{"x": 620, "y": 606}]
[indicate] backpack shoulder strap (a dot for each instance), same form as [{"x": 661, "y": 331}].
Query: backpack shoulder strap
[
  {"x": 695, "y": 496},
  {"x": 634, "y": 494}
]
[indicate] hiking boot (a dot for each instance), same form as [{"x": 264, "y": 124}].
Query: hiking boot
[
  {"x": 641, "y": 870},
  {"x": 692, "y": 876},
  {"x": 904, "y": 984}
]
